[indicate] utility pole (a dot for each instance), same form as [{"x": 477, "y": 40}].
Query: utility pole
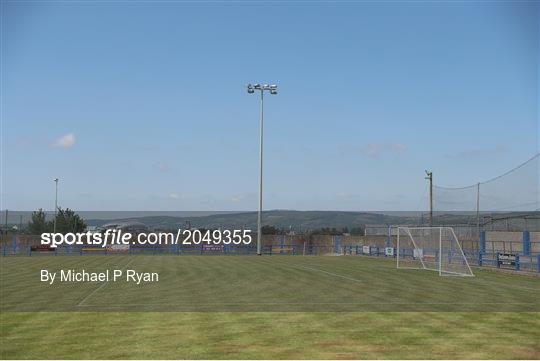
[
  {"x": 55, "y": 203},
  {"x": 478, "y": 208},
  {"x": 430, "y": 178}
]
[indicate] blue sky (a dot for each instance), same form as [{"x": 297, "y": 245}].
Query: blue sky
[{"x": 142, "y": 106}]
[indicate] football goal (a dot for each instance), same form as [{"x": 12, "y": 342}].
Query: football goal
[{"x": 431, "y": 248}]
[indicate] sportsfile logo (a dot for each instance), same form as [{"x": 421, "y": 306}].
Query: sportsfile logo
[
  {"x": 119, "y": 237},
  {"x": 109, "y": 237}
]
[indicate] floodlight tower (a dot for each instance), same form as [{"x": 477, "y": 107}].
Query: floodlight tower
[
  {"x": 273, "y": 90},
  {"x": 55, "y": 202}
]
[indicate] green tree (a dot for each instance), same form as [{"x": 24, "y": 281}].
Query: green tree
[
  {"x": 39, "y": 224},
  {"x": 68, "y": 221},
  {"x": 334, "y": 231},
  {"x": 270, "y": 230},
  {"x": 357, "y": 231}
]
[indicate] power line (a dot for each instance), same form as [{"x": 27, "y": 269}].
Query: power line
[{"x": 494, "y": 178}]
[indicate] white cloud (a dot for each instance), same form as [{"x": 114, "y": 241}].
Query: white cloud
[
  {"x": 376, "y": 150},
  {"x": 373, "y": 150},
  {"x": 161, "y": 167},
  {"x": 65, "y": 141},
  {"x": 174, "y": 195},
  {"x": 398, "y": 147},
  {"x": 238, "y": 198}
]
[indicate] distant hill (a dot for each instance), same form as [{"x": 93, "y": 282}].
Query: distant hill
[
  {"x": 310, "y": 220},
  {"x": 283, "y": 219}
]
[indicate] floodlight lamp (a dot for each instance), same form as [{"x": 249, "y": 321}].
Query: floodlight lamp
[{"x": 273, "y": 91}]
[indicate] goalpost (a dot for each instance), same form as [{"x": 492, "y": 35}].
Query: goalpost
[{"x": 431, "y": 248}]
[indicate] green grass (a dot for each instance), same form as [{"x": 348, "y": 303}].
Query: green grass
[
  {"x": 255, "y": 335},
  {"x": 224, "y": 307}
]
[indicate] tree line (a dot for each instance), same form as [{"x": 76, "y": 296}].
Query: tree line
[
  {"x": 357, "y": 231},
  {"x": 66, "y": 221}
]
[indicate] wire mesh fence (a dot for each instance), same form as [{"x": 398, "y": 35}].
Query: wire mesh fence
[{"x": 514, "y": 191}]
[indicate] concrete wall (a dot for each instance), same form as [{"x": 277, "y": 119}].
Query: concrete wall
[{"x": 501, "y": 241}]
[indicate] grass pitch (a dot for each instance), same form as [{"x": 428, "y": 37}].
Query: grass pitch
[{"x": 265, "y": 307}]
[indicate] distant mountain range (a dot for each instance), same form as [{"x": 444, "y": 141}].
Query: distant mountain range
[
  {"x": 297, "y": 220},
  {"x": 286, "y": 219}
]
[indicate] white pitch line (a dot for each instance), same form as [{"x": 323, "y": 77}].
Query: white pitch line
[
  {"x": 101, "y": 286},
  {"x": 481, "y": 281},
  {"x": 322, "y": 271}
]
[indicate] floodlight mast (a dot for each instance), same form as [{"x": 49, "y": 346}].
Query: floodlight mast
[{"x": 273, "y": 90}]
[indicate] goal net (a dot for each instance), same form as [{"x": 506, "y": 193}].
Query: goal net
[{"x": 431, "y": 248}]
